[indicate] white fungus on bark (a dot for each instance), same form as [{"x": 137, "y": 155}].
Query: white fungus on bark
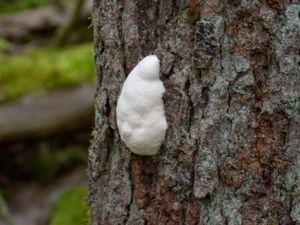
[{"x": 140, "y": 110}]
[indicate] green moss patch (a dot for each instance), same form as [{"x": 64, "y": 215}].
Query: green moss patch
[
  {"x": 39, "y": 70},
  {"x": 71, "y": 208},
  {"x": 10, "y": 6}
]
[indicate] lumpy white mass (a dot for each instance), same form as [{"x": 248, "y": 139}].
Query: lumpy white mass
[{"x": 140, "y": 110}]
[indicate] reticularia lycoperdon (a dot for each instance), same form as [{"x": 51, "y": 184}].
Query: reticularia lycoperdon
[{"x": 140, "y": 110}]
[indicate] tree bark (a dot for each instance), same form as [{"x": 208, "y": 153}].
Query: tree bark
[{"x": 232, "y": 149}]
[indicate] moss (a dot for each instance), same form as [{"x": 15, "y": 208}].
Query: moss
[
  {"x": 185, "y": 14},
  {"x": 71, "y": 208},
  {"x": 13, "y": 6},
  {"x": 40, "y": 70},
  {"x": 4, "y": 44}
]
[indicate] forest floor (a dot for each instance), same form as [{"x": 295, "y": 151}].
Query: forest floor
[{"x": 33, "y": 203}]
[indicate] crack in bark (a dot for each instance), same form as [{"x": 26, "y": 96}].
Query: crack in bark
[{"x": 132, "y": 195}]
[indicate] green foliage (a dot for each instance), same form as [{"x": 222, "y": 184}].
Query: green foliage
[
  {"x": 71, "y": 208},
  {"x": 9, "y": 6},
  {"x": 4, "y": 44},
  {"x": 47, "y": 163},
  {"x": 40, "y": 70},
  {"x": 3, "y": 192},
  {"x": 4, "y": 212}
]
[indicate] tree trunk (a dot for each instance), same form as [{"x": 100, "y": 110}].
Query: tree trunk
[
  {"x": 232, "y": 149},
  {"x": 64, "y": 31}
]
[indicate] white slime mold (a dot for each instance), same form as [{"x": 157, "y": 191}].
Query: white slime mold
[{"x": 140, "y": 110}]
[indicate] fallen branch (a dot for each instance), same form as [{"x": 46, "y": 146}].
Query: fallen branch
[{"x": 57, "y": 113}]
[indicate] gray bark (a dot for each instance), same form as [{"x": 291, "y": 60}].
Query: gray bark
[{"x": 232, "y": 149}]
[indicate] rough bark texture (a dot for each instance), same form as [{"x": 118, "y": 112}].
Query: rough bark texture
[{"x": 232, "y": 149}]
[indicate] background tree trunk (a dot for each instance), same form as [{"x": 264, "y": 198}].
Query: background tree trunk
[
  {"x": 232, "y": 149},
  {"x": 65, "y": 30}
]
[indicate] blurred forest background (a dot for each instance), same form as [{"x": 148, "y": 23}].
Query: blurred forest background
[{"x": 46, "y": 110}]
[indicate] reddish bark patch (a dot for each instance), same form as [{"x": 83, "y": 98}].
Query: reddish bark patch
[
  {"x": 162, "y": 205},
  {"x": 231, "y": 173},
  {"x": 252, "y": 41},
  {"x": 266, "y": 155},
  {"x": 271, "y": 138},
  {"x": 165, "y": 210},
  {"x": 277, "y": 4},
  {"x": 243, "y": 46},
  {"x": 210, "y": 8},
  {"x": 194, "y": 9},
  {"x": 175, "y": 100},
  {"x": 261, "y": 167},
  {"x": 249, "y": 40},
  {"x": 273, "y": 211},
  {"x": 193, "y": 211},
  {"x": 248, "y": 210},
  {"x": 144, "y": 176}
]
